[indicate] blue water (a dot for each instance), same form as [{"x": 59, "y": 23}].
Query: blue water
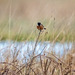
[{"x": 26, "y": 48}]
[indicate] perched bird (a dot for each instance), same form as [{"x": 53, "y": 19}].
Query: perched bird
[{"x": 40, "y": 26}]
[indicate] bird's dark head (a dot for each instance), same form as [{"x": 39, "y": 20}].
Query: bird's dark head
[{"x": 39, "y": 23}]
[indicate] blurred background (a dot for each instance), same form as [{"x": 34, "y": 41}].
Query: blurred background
[{"x": 18, "y": 19}]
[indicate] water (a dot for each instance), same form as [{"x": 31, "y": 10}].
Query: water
[{"x": 26, "y": 48}]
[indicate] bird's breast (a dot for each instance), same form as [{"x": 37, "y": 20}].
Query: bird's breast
[{"x": 40, "y": 27}]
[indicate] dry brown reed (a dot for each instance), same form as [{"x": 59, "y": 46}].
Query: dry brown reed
[{"x": 45, "y": 63}]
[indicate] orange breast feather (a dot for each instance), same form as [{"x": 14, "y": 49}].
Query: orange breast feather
[{"x": 40, "y": 27}]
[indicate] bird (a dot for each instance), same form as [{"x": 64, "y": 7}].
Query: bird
[{"x": 40, "y": 26}]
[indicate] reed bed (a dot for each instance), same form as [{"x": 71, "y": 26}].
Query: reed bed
[{"x": 41, "y": 64}]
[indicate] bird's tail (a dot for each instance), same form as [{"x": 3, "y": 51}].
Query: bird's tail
[{"x": 45, "y": 28}]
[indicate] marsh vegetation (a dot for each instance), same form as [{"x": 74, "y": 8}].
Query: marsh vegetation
[{"x": 23, "y": 51}]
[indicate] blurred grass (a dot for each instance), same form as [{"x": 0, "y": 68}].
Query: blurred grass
[
  {"x": 18, "y": 19},
  {"x": 24, "y": 35},
  {"x": 21, "y": 30}
]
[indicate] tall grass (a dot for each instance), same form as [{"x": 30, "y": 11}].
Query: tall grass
[
  {"x": 19, "y": 18},
  {"x": 18, "y": 23},
  {"x": 21, "y": 32}
]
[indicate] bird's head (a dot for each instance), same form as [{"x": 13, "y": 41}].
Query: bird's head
[{"x": 39, "y": 23}]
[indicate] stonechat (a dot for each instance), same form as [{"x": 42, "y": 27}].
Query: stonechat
[{"x": 40, "y": 26}]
